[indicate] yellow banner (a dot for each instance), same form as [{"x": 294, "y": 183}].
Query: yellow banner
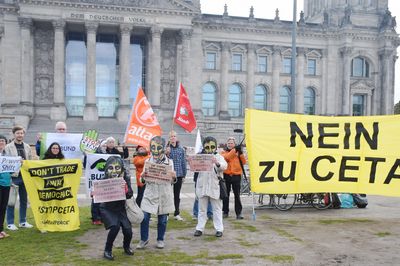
[
  {"x": 291, "y": 153},
  {"x": 52, "y": 187}
]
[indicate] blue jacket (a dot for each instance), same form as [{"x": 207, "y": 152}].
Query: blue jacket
[{"x": 5, "y": 179}]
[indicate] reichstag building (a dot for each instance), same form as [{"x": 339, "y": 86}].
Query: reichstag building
[{"x": 83, "y": 60}]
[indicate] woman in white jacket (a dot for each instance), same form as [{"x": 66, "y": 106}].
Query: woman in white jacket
[{"x": 207, "y": 189}]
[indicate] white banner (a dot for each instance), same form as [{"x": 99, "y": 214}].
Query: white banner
[
  {"x": 10, "y": 164},
  {"x": 69, "y": 144},
  {"x": 94, "y": 168}
]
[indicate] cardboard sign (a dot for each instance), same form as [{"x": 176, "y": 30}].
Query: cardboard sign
[
  {"x": 10, "y": 164},
  {"x": 107, "y": 190},
  {"x": 158, "y": 173},
  {"x": 201, "y": 162}
]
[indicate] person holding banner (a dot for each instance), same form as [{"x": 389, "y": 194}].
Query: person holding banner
[
  {"x": 138, "y": 160},
  {"x": 60, "y": 127},
  {"x": 18, "y": 147},
  {"x": 54, "y": 152},
  {"x": 111, "y": 149},
  {"x": 158, "y": 196},
  {"x": 234, "y": 156},
  {"x": 207, "y": 189},
  {"x": 5, "y": 183},
  {"x": 113, "y": 213}
]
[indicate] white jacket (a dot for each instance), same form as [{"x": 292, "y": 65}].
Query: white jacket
[
  {"x": 158, "y": 198},
  {"x": 208, "y": 183}
]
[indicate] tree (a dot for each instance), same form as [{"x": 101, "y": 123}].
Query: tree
[{"x": 397, "y": 108}]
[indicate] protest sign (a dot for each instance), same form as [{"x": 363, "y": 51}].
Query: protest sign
[
  {"x": 89, "y": 142},
  {"x": 158, "y": 173},
  {"x": 201, "y": 162},
  {"x": 94, "y": 168},
  {"x": 52, "y": 187},
  {"x": 10, "y": 164},
  {"x": 107, "y": 190},
  {"x": 70, "y": 144},
  {"x": 292, "y": 153}
]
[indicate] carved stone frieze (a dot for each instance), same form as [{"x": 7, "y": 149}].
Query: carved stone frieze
[
  {"x": 59, "y": 24},
  {"x": 44, "y": 65},
  {"x": 91, "y": 27},
  {"x": 168, "y": 70},
  {"x": 125, "y": 28}
]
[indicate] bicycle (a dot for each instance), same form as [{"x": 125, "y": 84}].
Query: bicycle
[{"x": 285, "y": 202}]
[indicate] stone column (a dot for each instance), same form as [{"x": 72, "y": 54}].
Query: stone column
[
  {"x": 196, "y": 67},
  {"x": 26, "y": 97},
  {"x": 300, "y": 80},
  {"x": 154, "y": 93},
  {"x": 276, "y": 68},
  {"x": 185, "y": 78},
  {"x": 346, "y": 53},
  {"x": 251, "y": 59},
  {"x": 223, "y": 90},
  {"x": 58, "y": 110},
  {"x": 124, "y": 72},
  {"x": 387, "y": 62},
  {"x": 331, "y": 81},
  {"x": 90, "y": 111}
]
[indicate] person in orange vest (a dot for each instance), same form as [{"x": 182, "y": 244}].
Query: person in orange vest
[
  {"x": 233, "y": 155},
  {"x": 138, "y": 160}
]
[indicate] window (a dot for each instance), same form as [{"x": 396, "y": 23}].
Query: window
[
  {"x": 260, "y": 98},
  {"x": 359, "y": 67},
  {"x": 358, "y": 105},
  {"x": 285, "y": 100},
  {"x": 262, "y": 63},
  {"x": 287, "y": 65},
  {"x": 309, "y": 101},
  {"x": 209, "y": 99},
  {"x": 312, "y": 67},
  {"x": 75, "y": 73},
  {"x": 138, "y": 66},
  {"x": 235, "y": 107},
  {"x": 211, "y": 60},
  {"x": 237, "y": 62}
]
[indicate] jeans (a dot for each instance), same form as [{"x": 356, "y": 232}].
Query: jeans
[
  {"x": 234, "y": 183},
  {"x": 196, "y": 208},
  {"x": 95, "y": 209},
  {"x": 161, "y": 226},
  {"x": 177, "y": 192},
  {"x": 23, "y": 203}
]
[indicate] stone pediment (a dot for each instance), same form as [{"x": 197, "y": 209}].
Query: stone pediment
[
  {"x": 170, "y": 5},
  {"x": 362, "y": 86},
  {"x": 313, "y": 54},
  {"x": 264, "y": 50}
]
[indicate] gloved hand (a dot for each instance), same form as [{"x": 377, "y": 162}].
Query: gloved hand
[{"x": 238, "y": 148}]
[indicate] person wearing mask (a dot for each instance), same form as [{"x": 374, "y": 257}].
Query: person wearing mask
[
  {"x": 207, "y": 189},
  {"x": 138, "y": 160},
  {"x": 234, "y": 157},
  {"x": 158, "y": 197},
  {"x": 5, "y": 183},
  {"x": 113, "y": 213},
  {"x": 60, "y": 127},
  {"x": 18, "y": 147},
  {"x": 175, "y": 152}
]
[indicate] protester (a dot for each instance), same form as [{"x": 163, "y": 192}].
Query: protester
[
  {"x": 111, "y": 149},
  {"x": 18, "y": 147},
  {"x": 175, "y": 152},
  {"x": 158, "y": 197},
  {"x": 60, "y": 127},
  {"x": 113, "y": 213},
  {"x": 54, "y": 152},
  {"x": 234, "y": 157},
  {"x": 139, "y": 158},
  {"x": 207, "y": 189},
  {"x": 5, "y": 183}
]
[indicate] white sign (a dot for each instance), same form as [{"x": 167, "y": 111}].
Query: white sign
[
  {"x": 157, "y": 173},
  {"x": 106, "y": 190},
  {"x": 69, "y": 144},
  {"x": 201, "y": 162},
  {"x": 10, "y": 164}
]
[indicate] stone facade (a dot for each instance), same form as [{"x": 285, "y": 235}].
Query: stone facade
[{"x": 179, "y": 38}]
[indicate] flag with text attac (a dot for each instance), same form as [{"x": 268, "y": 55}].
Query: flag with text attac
[
  {"x": 183, "y": 114},
  {"x": 143, "y": 124}
]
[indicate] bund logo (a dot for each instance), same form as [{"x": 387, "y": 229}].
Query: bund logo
[{"x": 144, "y": 114}]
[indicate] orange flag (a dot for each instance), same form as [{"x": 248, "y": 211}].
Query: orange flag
[
  {"x": 183, "y": 114},
  {"x": 143, "y": 123}
]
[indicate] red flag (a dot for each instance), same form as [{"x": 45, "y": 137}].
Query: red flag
[
  {"x": 183, "y": 114},
  {"x": 143, "y": 123}
]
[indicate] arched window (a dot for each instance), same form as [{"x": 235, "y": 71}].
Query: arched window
[
  {"x": 285, "y": 100},
  {"x": 235, "y": 106},
  {"x": 309, "y": 101},
  {"x": 209, "y": 99},
  {"x": 359, "y": 67},
  {"x": 260, "y": 97}
]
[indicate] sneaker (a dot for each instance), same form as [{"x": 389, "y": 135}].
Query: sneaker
[
  {"x": 218, "y": 234},
  {"x": 25, "y": 225},
  {"x": 198, "y": 233},
  {"x": 160, "y": 244},
  {"x": 178, "y": 218},
  {"x": 142, "y": 244},
  {"x": 12, "y": 227},
  {"x": 239, "y": 217},
  {"x": 194, "y": 217},
  {"x": 225, "y": 215}
]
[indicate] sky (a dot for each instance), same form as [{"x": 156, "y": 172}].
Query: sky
[{"x": 266, "y": 9}]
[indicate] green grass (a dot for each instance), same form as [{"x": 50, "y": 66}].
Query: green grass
[
  {"x": 286, "y": 234},
  {"x": 245, "y": 243},
  {"x": 244, "y": 226},
  {"x": 276, "y": 258},
  {"x": 383, "y": 234},
  {"x": 338, "y": 221}
]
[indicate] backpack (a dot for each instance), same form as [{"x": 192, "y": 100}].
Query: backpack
[{"x": 360, "y": 200}]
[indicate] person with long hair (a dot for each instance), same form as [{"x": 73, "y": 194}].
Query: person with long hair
[{"x": 54, "y": 152}]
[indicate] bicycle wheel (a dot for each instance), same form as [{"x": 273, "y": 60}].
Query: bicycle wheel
[
  {"x": 284, "y": 202},
  {"x": 321, "y": 201}
]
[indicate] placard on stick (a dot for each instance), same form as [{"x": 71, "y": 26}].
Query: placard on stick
[
  {"x": 158, "y": 173},
  {"x": 201, "y": 162},
  {"x": 107, "y": 190}
]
